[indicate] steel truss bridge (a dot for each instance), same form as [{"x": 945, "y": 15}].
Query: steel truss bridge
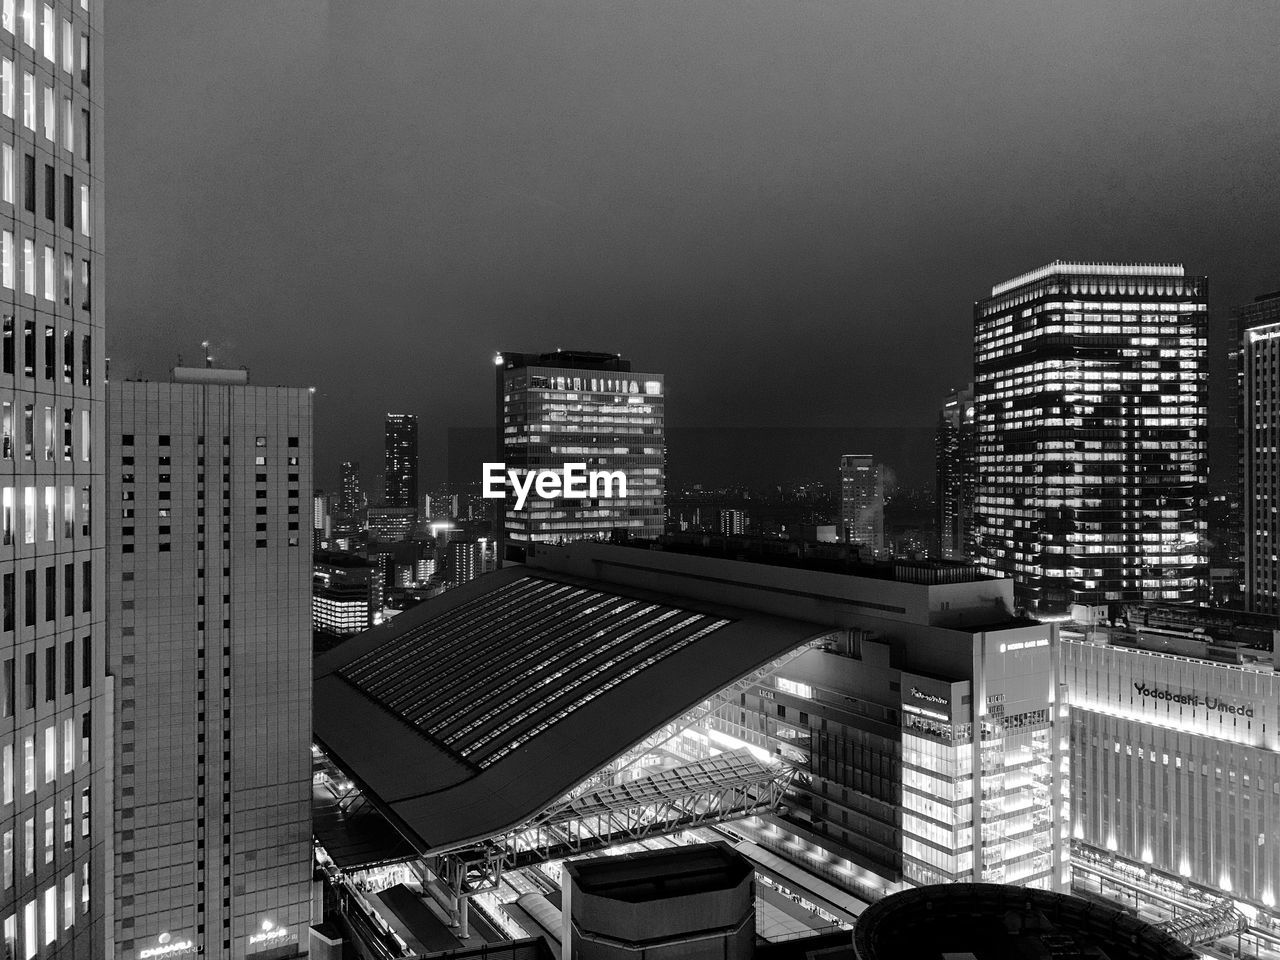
[
  {"x": 728, "y": 786},
  {"x": 613, "y": 806}
]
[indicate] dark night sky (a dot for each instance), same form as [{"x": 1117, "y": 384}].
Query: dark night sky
[{"x": 786, "y": 207}]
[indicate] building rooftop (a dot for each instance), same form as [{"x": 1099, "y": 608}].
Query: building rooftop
[
  {"x": 1087, "y": 269},
  {"x": 567, "y": 359},
  {"x": 661, "y": 874},
  {"x": 220, "y": 376},
  {"x": 821, "y": 557},
  {"x": 492, "y": 701},
  {"x": 988, "y": 921},
  {"x": 345, "y": 560}
]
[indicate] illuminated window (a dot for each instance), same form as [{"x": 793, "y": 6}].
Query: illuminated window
[
  {"x": 29, "y": 101},
  {"x": 29, "y": 267},
  {"x": 50, "y": 116}
]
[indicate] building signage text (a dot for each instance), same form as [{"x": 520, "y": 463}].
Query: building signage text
[
  {"x": 929, "y": 697},
  {"x": 167, "y": 947},
  {"x": 1194, "y": 700}
]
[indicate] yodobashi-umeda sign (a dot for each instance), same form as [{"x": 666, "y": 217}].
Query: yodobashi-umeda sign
[
  {"x": 1194, "y": 700},
  {"x": 574, "y": 482}
]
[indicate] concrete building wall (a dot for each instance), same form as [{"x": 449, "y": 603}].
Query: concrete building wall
[{"x": 210, "y": 626}]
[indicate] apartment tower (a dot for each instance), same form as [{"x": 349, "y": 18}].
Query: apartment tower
[
  {"x": 401, "y": 461},
  {"x": 862, "y": 501},
  {"x": 1091, "y": 408},
  {"x": 55, "y": 700},
  {"x": 209, "y": 621}
]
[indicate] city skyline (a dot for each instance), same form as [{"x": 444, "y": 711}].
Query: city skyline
[
  {"x": 818, "y": 228},
  {"x": 382, "y": 733}
]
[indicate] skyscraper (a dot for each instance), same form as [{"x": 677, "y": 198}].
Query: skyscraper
[
  {"x": 209, "y": 618},
  {"x": 1255, "y": 416},
  {"x": 401, "y": 478},
  {"x": 954, "y": 450},
  {"x": 1259, "y": 325},
  {"x": 54, "y": 699},
  {"x": 1091, "y": 407},
  {"x": 862, "y": 501},
  {"x": 352, "y": 496},
  {"x": 576, "y": 407}
]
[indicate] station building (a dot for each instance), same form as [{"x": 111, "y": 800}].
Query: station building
[{"x": 881, "y": 730}]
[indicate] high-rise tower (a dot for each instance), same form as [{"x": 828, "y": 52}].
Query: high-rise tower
[
  {"x": 352, "y": 496},
  {"x": 55, "y": 704},
  {"x": 209, "y": 619},
  {"x": 576, "y": 407},
  {"x": 1257, "y": 412},
  {"x": 401, "y": 478},
  {"x": 1091, "y": 410},
  {"x": 954, "y": 463},
  {"x": 862, "y": 501}
]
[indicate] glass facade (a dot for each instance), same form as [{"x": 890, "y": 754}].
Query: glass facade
[
  {"x": 1091, "y": 411},
  {"x": 894, "y": 780},
  {"x": 54, "y": 696},
  {"x": 582, "y": 408}
]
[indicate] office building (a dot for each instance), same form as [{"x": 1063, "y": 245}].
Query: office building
[
  {"x": 400, "y": 480},
  {"x": 954, "y": 465},
  {"x": 1090, "y": 408},
  {"x": 391, "y": 524},
  {"x": 733, "y": 522},
  {"x": 1175, "y": 762},
  {"x": 352, "y": 494},
  {"x": 346, "y": 594},
  {"x": 209, "y": 623},
  {"x": 55, "y": 698},
  {"x": 862, "y": 501},
  {"x": 574, "y": 407},
  {"x": 1259, "y": 426}
]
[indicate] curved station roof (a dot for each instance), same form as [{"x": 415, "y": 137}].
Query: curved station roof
[{"x": 474, "y": 711}]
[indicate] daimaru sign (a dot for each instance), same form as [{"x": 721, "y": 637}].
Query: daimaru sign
[{"x": 1194, "y": 700}]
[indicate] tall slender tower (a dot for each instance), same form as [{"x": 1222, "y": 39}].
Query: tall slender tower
[
  {"x": 579, "y": 407},
  {"x": 352, "y": 497},
  {"x": 55, "y": 702},
  {"x": 1257, "y": 421},
  {"x": 955, "y": 475},
  {"x": 1259, "y": 428},
  {"x": 862, "y": 500},
  {"x": 209, "y": 619},
  {"x": 1091, "y": 407},
  {"x": 401, "y": 479}
]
